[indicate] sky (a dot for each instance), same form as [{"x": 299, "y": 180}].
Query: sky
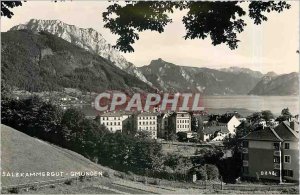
[{"x": 270, "y": 46}]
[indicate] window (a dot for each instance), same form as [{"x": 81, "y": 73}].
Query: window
[
  {"x": 287, "y": 159},
  {"x": 245, "y": 157},
  {"x": 287, "y": 146},
  {"x": 288, "y": 173},
  {"x": 276, "y": 146},
  {"x": 276, "y": 159},
  {"x": 245, "y": 170},
  {"x": 245, "y": 144}
]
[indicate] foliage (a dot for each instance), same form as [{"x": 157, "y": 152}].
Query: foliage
[
  {"x": 7, "y": 5},
  {"x": 143, "y": 134},
  {"x": 212, "y": 172},
  {"x": 177, "y": 163},
  {"x": 123, "y": 152},
  {"x": 267, "y": 115},
  {"x": 221, "y": 21},
  {"x": 48, "y": 122},
  {"x": 285, "y": 115},
  {"x": 201, "y": 173}
]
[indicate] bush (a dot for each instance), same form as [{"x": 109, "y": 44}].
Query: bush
[
  {"x": 201, "y": 173},
  {"x": 106, "y": 174},
  {"x": 156, "y": 182},
  {"x": 212, "y": 172},
  {"x": 81, "y": 178},
  {"x": 34, "y": 187},
  {"x": 14, "y": 190},
  {"x": 68, "y": 182}
]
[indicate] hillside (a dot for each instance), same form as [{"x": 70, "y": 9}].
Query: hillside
[
  {"x": 88, "y": 39},
  {"x": 22, "y": 153},
  {"x": 44, "y": 62},
  {"x": 170, "y": 77},
  {"x": 286, "y": 84},
  {"x": 238, "y": 70}
]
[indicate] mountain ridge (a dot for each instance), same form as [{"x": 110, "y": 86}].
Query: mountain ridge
[
  {"x": 46, "y": 62},
  {"x": 89, "y": 39},
  {"x": 285, "y": 84},
  {"x": 171, "y": 77},
  {"x": 227, "y": 81}
]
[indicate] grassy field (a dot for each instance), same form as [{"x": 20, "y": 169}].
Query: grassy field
[{"x": 24, "y": 154}]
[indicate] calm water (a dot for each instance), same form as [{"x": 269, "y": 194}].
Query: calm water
[
  {"x": 243, "y": 104},
  {"x": 253, "y": 103}
]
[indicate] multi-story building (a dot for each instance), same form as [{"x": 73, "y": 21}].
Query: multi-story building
[
  {"x": 147, "y": 121},
  {"x": 271, "y": 154},
  {"x": 180, "y": 122},
  {"x": 112, "y": 120}
]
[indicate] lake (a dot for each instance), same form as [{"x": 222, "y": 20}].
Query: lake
[
  {"x": 253, "y": 103},
  {"x": 244, "y": 104}
]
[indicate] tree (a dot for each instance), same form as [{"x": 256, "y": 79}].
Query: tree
[
  {"x": 221, "y": 21},
  {"x": 143, "y": 134},
  {"x": 286, "y": 112},
  {"x": 267, "y": 115},
  {"x": 7, "y": 5},
  {"x": 173, "y": 137},
  {"x": 285, "y": 115}
]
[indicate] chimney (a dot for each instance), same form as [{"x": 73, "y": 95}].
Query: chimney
[{"x": 294, "y": 125}]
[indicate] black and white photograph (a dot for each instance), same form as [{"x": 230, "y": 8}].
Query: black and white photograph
[{"x": 150, "y": 97}]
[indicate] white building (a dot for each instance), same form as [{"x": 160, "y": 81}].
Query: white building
[
  {"x": 113, "y": 121},
  {"x": 147, "y": 121},
  {"x": 181, "y": 121},
  {"x": 230, "y": 122}
]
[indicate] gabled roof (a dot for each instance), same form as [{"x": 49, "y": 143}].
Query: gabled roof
[
  {"x": 286, "y": 133},
  {"x": 213, "y": 129},
  {"x": 225, "y": 118},
  {"x": 266, "y": 134},
  {"x": 147, "y": 114},
  {"x": 114, "y": 114}
]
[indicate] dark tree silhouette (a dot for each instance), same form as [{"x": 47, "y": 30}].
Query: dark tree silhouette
[
  {"x": 7, "y": 5},
  {"x": 221, "y": 21}
]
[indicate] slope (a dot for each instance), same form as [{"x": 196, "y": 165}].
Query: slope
[
  {"x": 24, "y": 154},
  {"x": 44, "y": 62}
]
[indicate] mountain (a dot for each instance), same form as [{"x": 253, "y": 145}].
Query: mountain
[
  {"x": 286, "y": 84},
  {"x": 170, "y": 77},
  {"x": 89, "y": 39},
  {"x": 44, "y": 62},
  {"x": 238, "y": 70}
]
